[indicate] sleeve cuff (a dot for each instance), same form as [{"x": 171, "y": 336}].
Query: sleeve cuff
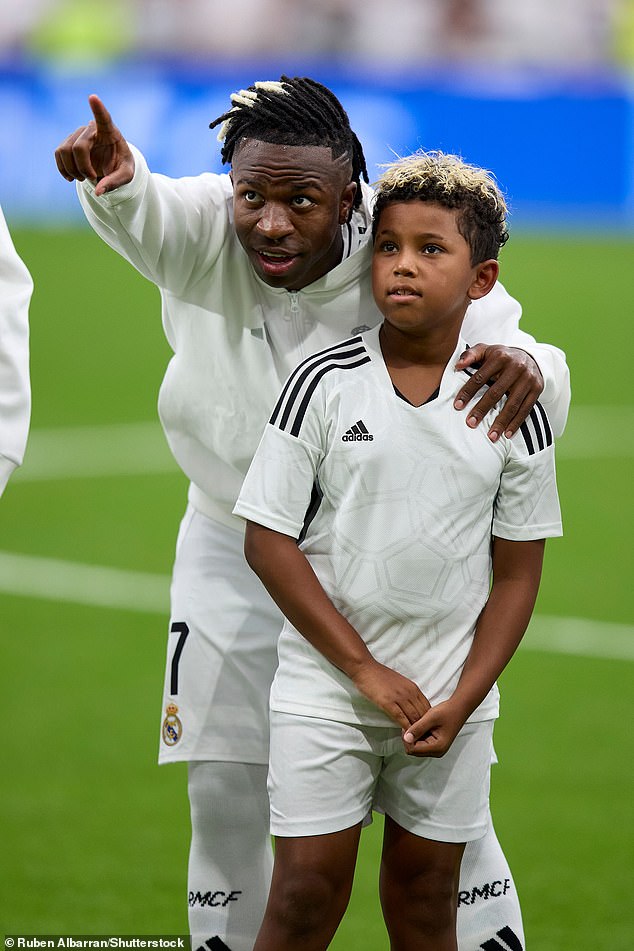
[{"x": 124, "y": 192}]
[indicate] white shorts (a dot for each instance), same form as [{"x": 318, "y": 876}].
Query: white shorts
[
  {"x": 221, "y": 652},
  {"x": 325, "y": 776}
]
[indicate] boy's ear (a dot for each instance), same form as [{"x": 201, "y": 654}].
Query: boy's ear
[{"x": 486, "y": 274}]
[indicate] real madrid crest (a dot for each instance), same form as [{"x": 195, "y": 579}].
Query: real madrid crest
[{"x": 172, "y": 726}]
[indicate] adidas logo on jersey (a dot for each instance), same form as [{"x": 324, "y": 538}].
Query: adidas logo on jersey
[{"x": 357, "y": 433}]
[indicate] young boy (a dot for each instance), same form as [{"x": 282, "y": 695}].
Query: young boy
[{"x": 386, "y": 692}]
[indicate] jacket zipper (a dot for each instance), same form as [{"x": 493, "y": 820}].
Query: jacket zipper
[{"x": 295, "y": 312}]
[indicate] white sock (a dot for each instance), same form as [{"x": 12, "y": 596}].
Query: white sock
[
  {"x": 489, "y": 915},
  {"x": 231, "y": 858},
  {"x": 231, "y": 861}
]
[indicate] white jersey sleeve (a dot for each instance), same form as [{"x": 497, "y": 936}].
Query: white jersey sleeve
[
  {"x": 284, "y": 473},
  {"x": 496, "y": 319},
  {"x": 171, "y": 230},
  {"x": 279, "y": 484},
  {"x": 16, "y": 288},
  {"x": 527, "y": 503}
]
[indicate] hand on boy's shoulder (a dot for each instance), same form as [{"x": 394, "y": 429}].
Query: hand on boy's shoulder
[{"x": 508, "y": 371}]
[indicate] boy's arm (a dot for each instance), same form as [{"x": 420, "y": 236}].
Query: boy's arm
[
  {"x": 290, "y": 580},
  {"x": 516, "y": 574}
]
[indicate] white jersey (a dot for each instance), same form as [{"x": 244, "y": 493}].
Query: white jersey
[
  {"x": 235, "y": 339},
  {"x": 395, "y": 505},
  {"x": 16, "y": 288}
]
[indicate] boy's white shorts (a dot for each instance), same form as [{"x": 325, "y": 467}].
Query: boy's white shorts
[{"x": 325, "y": 776}]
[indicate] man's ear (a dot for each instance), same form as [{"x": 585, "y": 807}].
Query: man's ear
[
  {"x": 346, "y": 202},
  {"x": 485, "y": 276}
]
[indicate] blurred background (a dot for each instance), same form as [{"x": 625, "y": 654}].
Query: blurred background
[
  {"x": 541, "y": 92},
  {"x": 95, "y": 835}
]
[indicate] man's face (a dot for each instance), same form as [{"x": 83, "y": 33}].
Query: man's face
[{"x": 288, "y": 203}]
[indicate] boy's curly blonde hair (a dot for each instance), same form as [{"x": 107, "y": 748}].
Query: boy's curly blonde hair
[{"x": 447, "y": 180}]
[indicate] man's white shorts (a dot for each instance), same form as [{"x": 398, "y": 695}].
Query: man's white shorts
[
  {"x": 221, "y": 652},
  {"x": 325, "y": 776}
]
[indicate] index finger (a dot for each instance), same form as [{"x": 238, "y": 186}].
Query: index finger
[{"x": 103, "y": 119}]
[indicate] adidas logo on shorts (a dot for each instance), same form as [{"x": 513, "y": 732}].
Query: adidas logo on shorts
[{"x": 357, "y": 433}]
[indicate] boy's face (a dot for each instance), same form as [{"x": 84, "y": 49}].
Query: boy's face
[
  {"x": 288, "y": 204},
  {"x": 422, "y": 276}
]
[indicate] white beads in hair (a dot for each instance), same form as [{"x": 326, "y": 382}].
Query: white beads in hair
[
  {"x": 245, "y": 97},
  {"x": 272, "y": 85},
  {"x": 248, "y": 98}
]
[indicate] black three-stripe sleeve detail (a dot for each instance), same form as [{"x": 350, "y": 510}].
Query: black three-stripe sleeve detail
[
  {"x": 536, "y": 428},
  {"x": 306, "y": 365},
  {"x": 545, "y": 422},
  {"x": 291, "y": 407},
  {"x": 303, "y": 406},
  {"x": 527, "y": 439}
]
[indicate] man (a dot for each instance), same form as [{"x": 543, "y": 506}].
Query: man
[
  {"x": 258, "y": 270},
  {"x": 16, "y": 288}
]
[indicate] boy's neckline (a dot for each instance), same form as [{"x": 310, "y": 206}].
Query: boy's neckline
[
  {"x": 430, "y": 399},
  {"x": 415, "y": 383}
]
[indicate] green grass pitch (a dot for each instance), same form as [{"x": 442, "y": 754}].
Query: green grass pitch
[{"x": 94, "y": 834}]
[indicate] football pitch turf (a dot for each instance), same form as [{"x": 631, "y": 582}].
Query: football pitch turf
[{"x": 94, "y": 834}]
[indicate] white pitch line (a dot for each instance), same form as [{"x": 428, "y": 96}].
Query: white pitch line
[
  {"x": 81, "y": 452},
  {"x": 55, "y": 580},
  {"x": 120, "y": 449},
  {"x": 580, "y": 636}
]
